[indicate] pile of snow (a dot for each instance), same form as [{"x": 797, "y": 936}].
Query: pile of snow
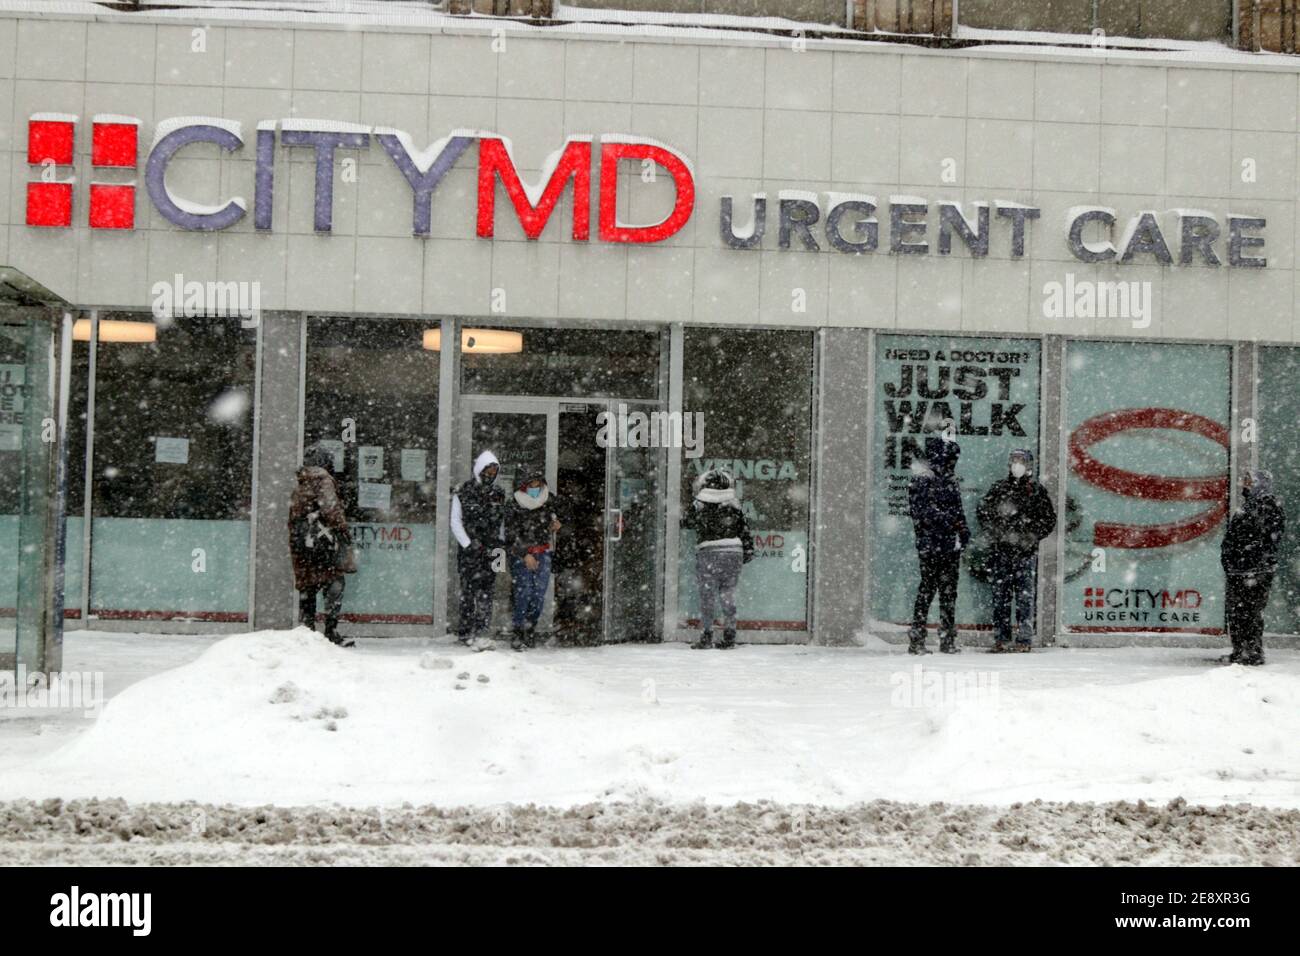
[{"x": 283, "y": 717}]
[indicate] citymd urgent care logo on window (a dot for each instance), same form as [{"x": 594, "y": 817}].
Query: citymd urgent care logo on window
[
  {"x": 115, "y": 149},
  {"x": 1139, "y": 608}
]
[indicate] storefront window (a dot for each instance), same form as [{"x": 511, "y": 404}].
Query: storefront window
[
  {"x": 985, "y": 393},
  {"x": 1147, "y": 486},
  {"x": 1278, "y": 434},
  {"x": 75, "y": 502},
  {"x": 172, "y": 468},
  {"x": 754, "y": 389},
  {"x": 28, "y": 531},
  {"x": 372, "y": 398},
  {"x": 576, "y": 363}
]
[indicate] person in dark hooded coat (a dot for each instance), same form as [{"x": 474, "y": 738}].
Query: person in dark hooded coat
[
  {"x": 1016, "y": 513},
  {"x": 723, "y": 545},
  {"x": 320, "y": 542},
  {"x": 1249, "y": 558},
  {"x": 529, "y": 524},
  {"x": 939, "y": 521},
  {"x": 476, "y": 514}
]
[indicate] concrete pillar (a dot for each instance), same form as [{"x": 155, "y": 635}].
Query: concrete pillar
[
  {"x": 279, "y": 423},
  {"x": 1051, "y": 471},
  {"x": 839, "y": 550}
]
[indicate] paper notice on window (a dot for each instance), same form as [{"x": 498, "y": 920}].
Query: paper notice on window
[
  {"x": 171, "y": 451},
  {"x": 370, "y": 462},
  {"x": 335, "y": 448},
  {"x": 374, "y": 495},
  {"x": 415, "y": 464}
]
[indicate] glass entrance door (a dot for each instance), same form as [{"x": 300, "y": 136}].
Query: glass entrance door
[
  {"x": 634, "y": 536},
  {"x": 519, "y": 435},
  {"x": 606, "y": 581}
]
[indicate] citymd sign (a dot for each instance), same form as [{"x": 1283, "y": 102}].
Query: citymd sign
[{"x": 115, "y": 139}]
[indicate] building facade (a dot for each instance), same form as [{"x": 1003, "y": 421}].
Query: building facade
[{"x": 624, "y": 259}]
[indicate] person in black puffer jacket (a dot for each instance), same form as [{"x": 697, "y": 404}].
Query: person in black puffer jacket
[
  {"x": 1249, "y": 558},
  {"x": 530, "y": 522},
  {"x": 1017, "y": 513},
  {"x": 939, "y": 521},
  {"x": 476, "y": 513},
  {"x": 722, "y": 544}
]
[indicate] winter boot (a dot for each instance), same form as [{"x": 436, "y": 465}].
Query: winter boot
[
  {"x": 948, "y": 645},
  {"x": 705, "y": 641},
  {"x": 332, "y": 635},
  {"x": 728, "y": 639},
  {"x": 1022, "y": 647},
  {"x": 518, "y": 639},
  {"x": 916, "y": 641},
  {"x": 1000, "y": 647}
]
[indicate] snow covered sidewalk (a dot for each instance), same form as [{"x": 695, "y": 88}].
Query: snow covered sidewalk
[{"x": 283, "y": 718}]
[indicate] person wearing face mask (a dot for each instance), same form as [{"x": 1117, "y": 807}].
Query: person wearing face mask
[
  {"x": 1017, "y": 513},
  {"x": 530, "y": 521},
  {"x": 476, "y": 523},
  {"x": 939, "y": 521},
  {"x": 1249, "y": 558}
]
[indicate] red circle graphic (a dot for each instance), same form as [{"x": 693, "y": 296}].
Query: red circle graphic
[{"x": 1128, "y": 484}]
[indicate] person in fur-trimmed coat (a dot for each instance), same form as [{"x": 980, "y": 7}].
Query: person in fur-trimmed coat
[
  {"x": 722, "y": 545},
  {"x": 529, "y": 524},
  {"x": 320, "y": 542}
]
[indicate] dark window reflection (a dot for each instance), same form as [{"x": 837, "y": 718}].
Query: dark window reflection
[
  {"x": 581, "y": 363},
  {"x": 173, "y": 422}
]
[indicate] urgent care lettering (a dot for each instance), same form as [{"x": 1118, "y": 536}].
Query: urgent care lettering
[{"x": 51, "y": 137}]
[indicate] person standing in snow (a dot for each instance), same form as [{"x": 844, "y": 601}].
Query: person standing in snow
[
  {"x": 476, "y": 513},
  {"x": 939, "y": 521},
  {"x": 722, "y": 545},
  {"x": 529, "y": 523},
  {"x": 1017, "y": 513},
  {"x": 320, "y": 543},
  {"x": 1249, "y": 558}
]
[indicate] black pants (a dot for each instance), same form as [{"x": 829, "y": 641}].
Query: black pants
[
  {"x": 938, "y": 575},
  {"x": 1247, "y": 595},
  {"x": 477, "y": 582},
  {"x": 332, "y": 594},
  {"x": 1013, "y": 587}
]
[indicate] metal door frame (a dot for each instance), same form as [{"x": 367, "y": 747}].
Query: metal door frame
[{"x": 551, "y": 406}]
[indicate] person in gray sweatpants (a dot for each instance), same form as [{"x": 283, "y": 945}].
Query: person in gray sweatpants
[{"x": 722, "y": 544}]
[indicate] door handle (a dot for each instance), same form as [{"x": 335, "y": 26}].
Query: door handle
[{"x": 618, "y": 523}]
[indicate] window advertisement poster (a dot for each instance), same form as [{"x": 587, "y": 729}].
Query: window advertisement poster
[
  {"x": 773, "y": 590},
  {"x": 985, "y": 393},
  {"x": 12, "y": 379},
  {"x": 1147, "y": 486},
  {"x": 1277, "y": 391}
]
